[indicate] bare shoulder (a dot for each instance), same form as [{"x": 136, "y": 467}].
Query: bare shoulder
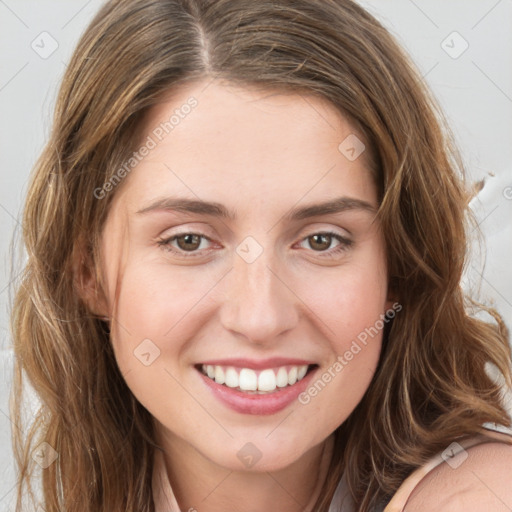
[{"x": 477, "y": 479}]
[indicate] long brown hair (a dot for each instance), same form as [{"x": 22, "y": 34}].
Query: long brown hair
[{"x": 431, "y": 384}]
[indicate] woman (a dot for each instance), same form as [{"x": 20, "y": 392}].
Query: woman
[{"x": 246, "y": 239}]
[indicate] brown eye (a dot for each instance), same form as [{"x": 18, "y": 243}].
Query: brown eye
[
  {"x": 188, "y": 242},
  {"x": 321, "y": 244},
  {"x": 320, "y": 241}
]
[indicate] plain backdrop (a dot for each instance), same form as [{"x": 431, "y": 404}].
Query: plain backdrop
[{"x": 463, "y": 49}]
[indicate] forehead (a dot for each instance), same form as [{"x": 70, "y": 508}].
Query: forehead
[{"x": 219, "y": 140}]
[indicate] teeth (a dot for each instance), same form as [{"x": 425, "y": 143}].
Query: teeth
[
  {"x": 282, "y": 377},
  {"x": 248, "y": 380},
  {"x": 264, "y": 381},
  {"x": 231, "y": 378},
  {"x": 292, "y": 376},
  {"x": 219, "y": 375},
  {"x": 301, "y": 372},
  {"x": 267, "y": 380}
]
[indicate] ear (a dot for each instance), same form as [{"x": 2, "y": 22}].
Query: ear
[{"x": 85, "y": 280}]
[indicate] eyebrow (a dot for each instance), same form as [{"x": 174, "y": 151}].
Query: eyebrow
[{"x": 337, "y": 205}]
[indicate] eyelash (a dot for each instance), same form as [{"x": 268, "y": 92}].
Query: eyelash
[{"x": 345, "y": 244}]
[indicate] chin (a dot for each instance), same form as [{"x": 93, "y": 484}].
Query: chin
[{"x": 257, "y": 454}]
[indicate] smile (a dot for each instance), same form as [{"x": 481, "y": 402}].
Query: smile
[
  {"x": 255, "y": 381},
  {"x": 256, "y": 387}
]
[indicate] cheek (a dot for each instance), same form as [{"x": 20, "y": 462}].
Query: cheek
[
  {"x": 152, "y": 328},
  {"x": 161, "y": 305},
  {"x": 350, "y": 304},
  {"x": 347, "y": 301},
  {"x": 356, "y": 322},
  {"x": 150, "y": 306}
]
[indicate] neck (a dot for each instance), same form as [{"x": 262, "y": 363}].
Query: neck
[{"x": 200, "y": 485}]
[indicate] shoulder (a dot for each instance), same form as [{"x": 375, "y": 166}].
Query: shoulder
[{"x": 476, "y": 479}]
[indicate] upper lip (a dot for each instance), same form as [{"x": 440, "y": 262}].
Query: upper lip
[{"x": 258, "y": 364}]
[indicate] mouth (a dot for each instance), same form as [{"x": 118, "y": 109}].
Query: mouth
[
  {"x": 256, "y": 387},
  {"x": 256, "y": 382}
]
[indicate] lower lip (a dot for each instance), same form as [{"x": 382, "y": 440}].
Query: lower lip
[{"x": 269, "y": 403}]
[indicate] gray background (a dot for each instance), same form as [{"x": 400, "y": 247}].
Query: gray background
[{"x": 473, "y": 86}]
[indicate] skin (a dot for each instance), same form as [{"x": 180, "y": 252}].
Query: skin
[
  {"x": 260, "y": 154},
  {"x": 481, "y": 482}
]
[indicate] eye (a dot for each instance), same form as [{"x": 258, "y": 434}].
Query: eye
[
  {"x": 320, "y": 242},
  {"x": 186, "y": 243},
  {"x": 191, "y": 245}
]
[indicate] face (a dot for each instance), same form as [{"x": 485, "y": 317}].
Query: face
[{"x": 222, "y": 257}]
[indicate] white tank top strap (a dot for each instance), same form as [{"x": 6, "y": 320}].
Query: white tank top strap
[{"x": 403, "y": 493}]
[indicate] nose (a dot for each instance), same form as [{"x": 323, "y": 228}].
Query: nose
[{"x": 259, "y": 303}]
